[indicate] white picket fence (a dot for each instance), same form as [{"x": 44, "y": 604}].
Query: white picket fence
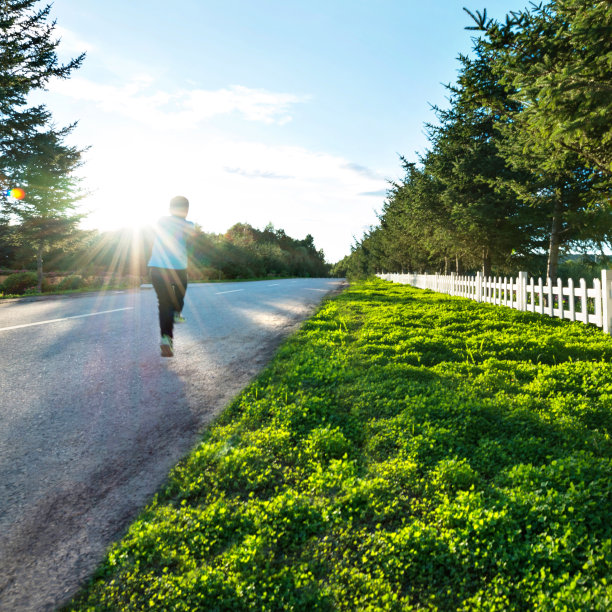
[{"x": 575, "y": 302}]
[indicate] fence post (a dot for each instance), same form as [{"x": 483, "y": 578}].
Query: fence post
[
  {"x": 479, "y": 286},
  {"x": 606, "y": 300},
  {"x": 522, "y": 291},
  {"x": 452, "y": 287}
]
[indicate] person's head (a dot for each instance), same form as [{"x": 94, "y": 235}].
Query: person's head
[{"x": 179, "y": 206}]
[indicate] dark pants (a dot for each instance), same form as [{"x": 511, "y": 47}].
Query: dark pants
[{"x": 170, "y": 286}]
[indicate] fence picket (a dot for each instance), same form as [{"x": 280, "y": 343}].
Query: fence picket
[
  {"x": 549, "y": 297},
  {"x": 584, "y": 310},
  {"x": 597, "y": 293},
  {"x": 606, "y": 300},
  {"x": 520, "y": 294},
  {"x": 571, "y": 300},
  {"x": 540, "y": 296},
  {"x": 559, "y": 293}
]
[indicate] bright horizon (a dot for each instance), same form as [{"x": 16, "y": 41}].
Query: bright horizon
[{"x": 293, "y": 114}]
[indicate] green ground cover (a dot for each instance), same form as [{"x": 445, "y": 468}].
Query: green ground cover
[{"x": 405, "y": 450}]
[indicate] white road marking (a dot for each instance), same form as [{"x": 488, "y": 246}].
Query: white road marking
[
  {"x": 91, "y": 314},
  {"x": 311, "y": 289},
  {"x": 273, "y": 285},
  {"x": 232, "y": 291}
]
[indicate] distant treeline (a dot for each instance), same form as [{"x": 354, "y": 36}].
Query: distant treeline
[
  {"x": 519, "y": 167},
  {"x": 242, "y": 252}
]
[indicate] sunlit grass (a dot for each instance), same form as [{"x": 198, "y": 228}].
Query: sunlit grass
[{"x": 405, "y": 450}]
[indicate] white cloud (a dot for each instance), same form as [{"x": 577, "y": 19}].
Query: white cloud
[
  {"x": 167, "y": 147},
  {"x": 70, "y": 42},
  {"x": 258, "y": 173},
  {"x": 253, "y": 104},
  {"x": 363, "y": 171},
  {"x": 138, "y": 100},
  {"x": 229, "y": 181}
]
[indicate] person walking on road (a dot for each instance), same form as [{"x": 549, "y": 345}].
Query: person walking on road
[{"x": 168, "y": 269}]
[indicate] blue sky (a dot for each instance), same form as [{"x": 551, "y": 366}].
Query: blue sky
[{"x": 290, "y": 112}]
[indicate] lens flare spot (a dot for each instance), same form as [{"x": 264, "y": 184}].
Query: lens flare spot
[{"x": 16, "y": 193}]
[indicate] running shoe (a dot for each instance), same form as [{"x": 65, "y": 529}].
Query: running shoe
[
  {"x": 178, "y": 318},
  {"x": 166, "y": 347}
]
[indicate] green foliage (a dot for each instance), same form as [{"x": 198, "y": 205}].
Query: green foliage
[
  {"x": 520, "y": 163},
  {"x": 20, "y": 282},
  {"x": 246, "y": 252},
  {"x": 71, "y": 283},
  {"x": 557, "y": 57},
  {"x": 584, "y": 266},
  {"x": 28, "y": 61},
  {"x": 33, "y": 153},
  {"x": 404, "y": 450}
]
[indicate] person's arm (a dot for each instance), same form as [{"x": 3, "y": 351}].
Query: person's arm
[{"x": 192, "y": 230}]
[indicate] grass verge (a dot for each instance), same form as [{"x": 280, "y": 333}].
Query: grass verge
[{"x": 404, "y": 450}]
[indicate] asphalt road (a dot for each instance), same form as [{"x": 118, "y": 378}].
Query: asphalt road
[{"x": 92, "y": 418}]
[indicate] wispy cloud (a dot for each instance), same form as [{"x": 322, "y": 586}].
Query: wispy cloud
[
  {"x": 70, "y": 42},
  {"x": 258, "y": 174},
  {"x": 135, "y": 166},
  {"x": 253, "y": 104},
  {"x": 363, "y": 171},
  {"x": 226, "y": 181},
  {"x": 139, "y": 100},
  {"x": 381, "y": 193}
]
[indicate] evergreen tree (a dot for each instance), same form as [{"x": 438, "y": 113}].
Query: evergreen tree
[
  {"x": 521, "y": 161},
  {"x": 28, "y": 60},
  {"x": 562, "y": 189},
  {"x": 559, "y": 132},
  {"x": 491, "y": 224},
  {"x": 46, "y": 216},
  {"x": 415, "y": 232},
  {"x": 33, "y": 155},
  {"x": 556, "y": 58}
]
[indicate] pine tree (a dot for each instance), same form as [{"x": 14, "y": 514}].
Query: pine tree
[
  {"x": 553, "y": 61},
  {"x": 556, "y": 57},
  {"x": 33, "y": 155},
  {"x": 28, "y": 60},
  {"x": 47, "y": 216}
]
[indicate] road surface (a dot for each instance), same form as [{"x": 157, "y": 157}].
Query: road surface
[{"x": 92, "y": 418}]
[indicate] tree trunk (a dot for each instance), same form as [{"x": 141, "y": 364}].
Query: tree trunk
[
  {"x": 555, "y": 235},
  {"x": 446, "y": 266},
  {"x": 486, "y": 262},
  {"x": 39, "y": 266},
  {"x": 458, "y": 265}
]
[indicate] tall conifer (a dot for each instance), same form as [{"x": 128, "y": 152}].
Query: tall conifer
[{"x": 33, "y": 153}]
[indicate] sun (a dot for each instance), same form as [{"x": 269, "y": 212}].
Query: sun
[{"x": 120, "y": 213}]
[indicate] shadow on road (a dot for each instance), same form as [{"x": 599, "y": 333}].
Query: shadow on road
[{"x": 97, "y": 419}]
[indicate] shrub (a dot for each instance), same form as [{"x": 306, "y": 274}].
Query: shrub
[
  {"x": 20, "y": 282},
  {"x": 71, "y": 283}
]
